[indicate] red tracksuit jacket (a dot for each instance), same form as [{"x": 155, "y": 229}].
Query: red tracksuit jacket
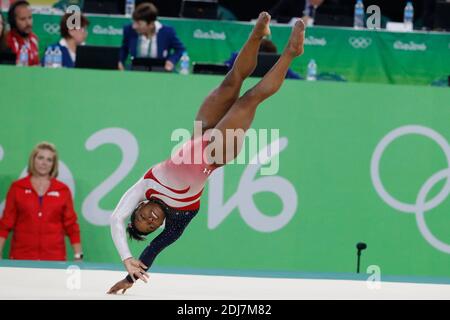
[{"x": 39, "y": 229}]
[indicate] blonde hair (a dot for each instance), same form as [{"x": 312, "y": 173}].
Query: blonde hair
[{"x": 43, "y": 146}]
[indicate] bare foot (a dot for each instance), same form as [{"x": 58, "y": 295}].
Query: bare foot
[
  {"x": 262, "y": 28},
  {"x": 297, "y": 39}
]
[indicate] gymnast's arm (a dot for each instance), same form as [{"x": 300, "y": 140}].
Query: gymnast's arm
[
  {"x": 126, "y": 205},
  {"x": 173, "y": 229}
]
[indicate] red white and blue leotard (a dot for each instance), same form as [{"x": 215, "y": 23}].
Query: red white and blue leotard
[
  {"x": 177, "y": 184},
  {"x": 179, "y": 181}
]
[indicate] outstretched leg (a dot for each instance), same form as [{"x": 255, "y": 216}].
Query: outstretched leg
[
  {"x": 222, "y": 98},
  {"x": 241, "y": 114}
]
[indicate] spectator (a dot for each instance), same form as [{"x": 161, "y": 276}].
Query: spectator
[
  {"x": 39, "y": 211},
  {"x": 3, "y": 47},
  {"x": 269, "y": 47},
  {"x": 285, "y": 10},
  {"x": 20, "y": 21},
  {"x": 71, "y": 38},
  {"x": 147, "y": 37}
]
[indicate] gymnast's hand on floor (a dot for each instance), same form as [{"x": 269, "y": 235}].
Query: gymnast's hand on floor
[
  {"x": 136, "y": 269},
  {"x": 121, "y": 285}
]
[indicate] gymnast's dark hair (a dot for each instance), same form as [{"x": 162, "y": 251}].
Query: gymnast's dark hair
[{"x": 134, "y": 233}]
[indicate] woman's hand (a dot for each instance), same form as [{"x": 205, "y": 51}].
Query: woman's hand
[
  {"x": 169, "y": 65},
  {"x": 136, "y": 269},
  {"x": 123, "y": 285},
  {"x": 78, "y": 252}
]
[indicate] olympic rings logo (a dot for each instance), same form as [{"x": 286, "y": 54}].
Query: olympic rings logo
[
  {"x": 421, "y": 206},
  {"x": 51, "y": 28},
  {"x": 360, "y": 42}
]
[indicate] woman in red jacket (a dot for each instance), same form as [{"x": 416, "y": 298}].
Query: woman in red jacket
[{"x": 39, "y": 210}]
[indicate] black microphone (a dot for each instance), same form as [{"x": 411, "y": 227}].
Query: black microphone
[{"x": 360, "y": 246}]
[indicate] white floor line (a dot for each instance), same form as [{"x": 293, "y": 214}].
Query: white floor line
[{"x": 30, "y": 283}]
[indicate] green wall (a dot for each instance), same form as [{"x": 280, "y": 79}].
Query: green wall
[{"x": 113, "y": 126}]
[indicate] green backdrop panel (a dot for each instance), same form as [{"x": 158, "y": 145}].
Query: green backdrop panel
[{"x": 110, "y": 127}]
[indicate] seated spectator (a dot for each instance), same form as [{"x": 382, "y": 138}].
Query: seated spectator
[
  {"x": 269, "y": 47},
  {"x": 21, "y": 23},
  {"x": 147, "y": 37},
  {"x": 71, "y": 38},
  {"x": 39, "y": 210}
]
